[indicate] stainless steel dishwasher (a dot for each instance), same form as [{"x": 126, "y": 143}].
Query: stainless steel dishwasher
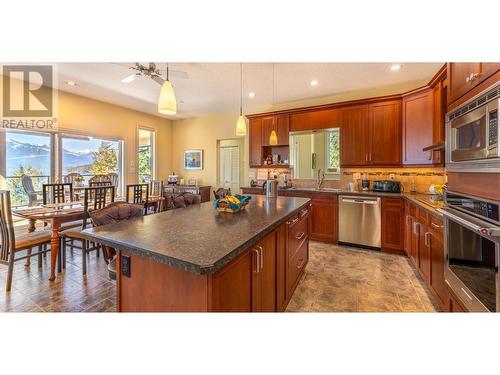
[{"x": 360, "y": 221}]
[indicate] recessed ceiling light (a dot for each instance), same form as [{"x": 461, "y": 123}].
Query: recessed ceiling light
[
  {"x": 71, "y": 83},
  {"x": 314, "y": 82},
  {"x": 395, "y": 67},
  {"x": 251, "y": 94}
]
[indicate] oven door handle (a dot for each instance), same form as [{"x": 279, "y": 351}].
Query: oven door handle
[{"x": 493, "y": 232}]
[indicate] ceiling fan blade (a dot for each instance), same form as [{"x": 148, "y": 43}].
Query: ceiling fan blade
[
  {"x": 129, "y": 78},
  {"x": 158, "y": 79}
]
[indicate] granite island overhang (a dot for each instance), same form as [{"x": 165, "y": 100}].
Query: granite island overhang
[{"x": 177, "y": 259}]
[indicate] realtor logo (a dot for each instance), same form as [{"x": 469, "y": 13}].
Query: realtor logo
[{"x": 28, "y": 97}]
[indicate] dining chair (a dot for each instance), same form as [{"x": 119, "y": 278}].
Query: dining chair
[
  {"x": 138, "y": 194},
  {"x": 57, "y": 193},
  {"x": 113, "y": 213},
  {"x": 156, "y": 196},
  {"x": 113, "y": 177},
  {"x": 221, "y": 193},
  {"x": 30, "y": 191},
  {"x": 71, "y": 177},
  {"x": 100, "y": 180},
  {"x": 10, "y": 245},
  {"x": 94, "y": 198}
]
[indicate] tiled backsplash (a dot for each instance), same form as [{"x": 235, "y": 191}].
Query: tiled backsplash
[{"x": 423, "y": 177}]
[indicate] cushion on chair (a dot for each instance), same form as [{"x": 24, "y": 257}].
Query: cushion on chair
[
  {"x": 29, "y": 240},
  {"x": 115, "y": 212},
  {"x": 72, "y": 233},
  {"x": 182, "y": 200}
]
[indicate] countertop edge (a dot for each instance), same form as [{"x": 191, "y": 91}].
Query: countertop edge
[{"x": 191, "y": 267}]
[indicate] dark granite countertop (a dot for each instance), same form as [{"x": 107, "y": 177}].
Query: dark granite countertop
[
  {"x": 420, "y": 199},
  {"x": 198, "y": 238}
]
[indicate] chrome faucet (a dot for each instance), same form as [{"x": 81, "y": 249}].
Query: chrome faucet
[{"x": 321, "y": 178}]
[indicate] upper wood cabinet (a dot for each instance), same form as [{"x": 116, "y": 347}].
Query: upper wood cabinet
[
  {"x": 279, "y": 124},
  {"x": 315, "y": 120},
  {"x": 418, "y": 124},
  {"x": 354, "y": 136},
  {"x": 255, "y": 134},
  {"x": 385, "y": 133},
  {"x": 463, "y": 77}
]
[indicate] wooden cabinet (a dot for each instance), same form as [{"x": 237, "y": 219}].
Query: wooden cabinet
[
  {"x": 438, "y": 122},
  {"x": 418, "y": 124},
  {"x": 392, "y": 224},
  {"x": 316, "y": 120},
  {"x": 249, "y": 282},
  {"x": 385, "y": 133},
  {"x": 354, "y": 136},
  {"x": 371, "y": 135},
  {"x": 464, "y": 76},
  {"x": 323, "y": 224},
  {"x": 408, "y": 224},
  {"x": 204, "y": 192},
  {"x": 453, "y": 303},
  {"x": 297, "y": 249},
  {"x": 280, "y": 125},
  {"x": 255, "y": 142},
  {"x": 424, "y": 252}
]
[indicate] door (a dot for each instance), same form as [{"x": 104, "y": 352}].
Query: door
[
  {"x": 354, "y": 136},
  {"x": 392, "y": 224},
  {"x": 385, "y": 133},
  {"x": 229, "y": 171},
  {"x": 439, "y": 106},
  {"x": 415, "y": 241},
  {"x": 265, "y": 280},
  {"x": 255, "y": 138},
  {"x": 418, "y": 123}
]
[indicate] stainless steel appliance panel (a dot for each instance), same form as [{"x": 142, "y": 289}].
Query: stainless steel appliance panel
[{"x": 360, "y": 221}]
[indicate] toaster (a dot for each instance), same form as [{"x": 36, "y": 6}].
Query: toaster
[{"x": 387, "y": 186}]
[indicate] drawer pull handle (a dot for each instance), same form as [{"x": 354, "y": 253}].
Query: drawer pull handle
[
  {"x": 303, "y": 212},
  {"x": 427, "y": 240},
  {"x": 436, "y": 225},
  {"x": 292, "y": 222},
  {"x": 300, "y": 235}
]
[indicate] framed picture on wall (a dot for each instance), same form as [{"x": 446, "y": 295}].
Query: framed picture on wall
[{"x": 193, "y": 159}]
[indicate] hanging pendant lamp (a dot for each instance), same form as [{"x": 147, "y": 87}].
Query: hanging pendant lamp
[
  {"x": 167, "y": 104},
  {"x": 273, "y": 137},
  {"x": 241, "y": 125}
]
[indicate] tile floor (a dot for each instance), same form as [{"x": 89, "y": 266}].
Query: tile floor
[{"x": 336, "y": 279}]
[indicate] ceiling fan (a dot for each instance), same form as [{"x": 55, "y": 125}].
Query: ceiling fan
[{"x": 153, "y": 72}]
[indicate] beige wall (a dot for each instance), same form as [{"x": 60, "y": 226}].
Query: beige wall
[
  {"x": 204, "y": 133},
  {"x": 100, "y": 119}
]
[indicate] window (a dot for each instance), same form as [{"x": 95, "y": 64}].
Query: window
[
  {"x": 90, "y": 156},
  {"x": 30, "y": 154},
  {"x": 146, "y": 155},
  {"x": 333, "y": 151}
]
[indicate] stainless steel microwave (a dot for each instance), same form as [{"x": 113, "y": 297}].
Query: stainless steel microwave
[{"x": 472, "y": 130}]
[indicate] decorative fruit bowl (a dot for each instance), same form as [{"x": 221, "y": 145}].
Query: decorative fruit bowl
[{"x": 232, "y": 203}]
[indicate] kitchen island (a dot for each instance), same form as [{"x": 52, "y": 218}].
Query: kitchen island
[{"x": 196, "y": 259}]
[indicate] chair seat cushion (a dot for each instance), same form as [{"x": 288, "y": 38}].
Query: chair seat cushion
[
  {"x": 73, "y": 233},
  {"x": 29, "y": 240}
]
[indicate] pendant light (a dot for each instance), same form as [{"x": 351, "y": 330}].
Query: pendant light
[
  {"x": 273, "y": 137},
  {"x": 167, "y": 104},
  {"x": 241, "y": 125}
]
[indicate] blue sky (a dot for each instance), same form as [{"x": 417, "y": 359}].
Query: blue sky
[{"x": 69, "y": 144}]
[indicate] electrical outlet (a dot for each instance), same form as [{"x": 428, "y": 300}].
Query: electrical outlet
[
  {"x": 125, "y": 265},
  {"x": 392, "y": 176}
]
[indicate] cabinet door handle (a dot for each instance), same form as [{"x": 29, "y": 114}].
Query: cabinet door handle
[
  {"x": 427, "y": 240},
  {"x": 261, "y": 251},
  {"x": 300, "y": 235},
  {"x": 366, "y": 156},
  {"x": 257, "y": 260},
  {"x": 437, "y": 225},
  {"x": 370, "y": 156},
  {"x": 415, "y": 226}
]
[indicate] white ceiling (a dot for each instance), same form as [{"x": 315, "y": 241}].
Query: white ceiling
[{"x": 215, "y": 87}]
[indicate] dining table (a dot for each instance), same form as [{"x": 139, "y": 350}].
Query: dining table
[{"x": 56, "y": 215}]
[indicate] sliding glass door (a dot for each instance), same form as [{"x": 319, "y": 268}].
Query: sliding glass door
[{"x": 27, "y": 154}]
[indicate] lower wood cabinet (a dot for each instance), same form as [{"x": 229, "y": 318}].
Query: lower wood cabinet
[
  {"x": 392, "y": 224},
  {"x": 297, "y": 253},
  {"x": 453, "y": 304},
  {"x": 324, "y": 218}
]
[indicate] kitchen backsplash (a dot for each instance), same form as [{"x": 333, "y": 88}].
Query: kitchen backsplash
[{"x": 423, "y": 177}]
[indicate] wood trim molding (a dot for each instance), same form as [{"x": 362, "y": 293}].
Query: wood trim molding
[
  {"x": 441, "y": 73},
  {"x": 483, "y": 185},
  {"x": 475, "y": 91}
]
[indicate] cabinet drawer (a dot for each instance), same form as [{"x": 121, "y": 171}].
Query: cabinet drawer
[
  {"x": 296, "y": 265},
  {"x": 297, "y": 233},
  {"x": 422, "y": 215}
]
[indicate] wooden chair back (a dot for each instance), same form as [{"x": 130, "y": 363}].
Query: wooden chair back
[
  {"x": 7, "y": 237},
  {"x": 71, "y": 177},
  {"x": 156, "y": 188},
  {"x": 57, "y": 193},
  {"x": 113, "y": 177},
  {"x": 100, "y": 180},
  {"x": 138, "y": 194},
  {"x": 95, "y": 198}
]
